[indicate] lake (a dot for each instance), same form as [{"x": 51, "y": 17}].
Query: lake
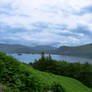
[{"x": 31, "y": 58}]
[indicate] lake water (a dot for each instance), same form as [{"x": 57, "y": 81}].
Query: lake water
[{"x": 31, "y": 58}]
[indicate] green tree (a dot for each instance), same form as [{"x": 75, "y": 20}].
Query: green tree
[{"x": 42, "y": 56}]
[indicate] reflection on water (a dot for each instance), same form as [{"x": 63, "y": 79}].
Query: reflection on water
[{"x": 31, "y": 58}]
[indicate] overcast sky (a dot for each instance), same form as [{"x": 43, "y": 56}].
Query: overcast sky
[{"x": 46, "y": 22}]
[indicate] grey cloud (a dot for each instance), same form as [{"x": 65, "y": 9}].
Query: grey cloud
[
  {"x": 6, "y": 6},
  {"x": 85, "y": 10},
  {"x": 88, "y": 9},
  {"x": 82, "y": 29}
]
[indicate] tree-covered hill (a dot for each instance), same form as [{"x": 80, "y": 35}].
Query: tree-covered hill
[
  {"x": 80, "y": 51},
  {"x": 20, "y": 77}
]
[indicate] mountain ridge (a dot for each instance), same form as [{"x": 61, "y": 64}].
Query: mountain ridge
[
  {"x": 80, "y": 51},
  {"x": 17, "y": 48}
]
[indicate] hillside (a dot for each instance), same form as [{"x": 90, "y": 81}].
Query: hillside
[
  {"x": 45, "y": 48},
  {"x": 16, "y": 48},
  {"x": 20, "y": 77},
  {"x": 80, "y": 51}
]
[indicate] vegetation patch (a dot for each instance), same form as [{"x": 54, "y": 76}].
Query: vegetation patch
[
  {"x": 20, "y": 77},
  {"x": 81, "y": 72}
]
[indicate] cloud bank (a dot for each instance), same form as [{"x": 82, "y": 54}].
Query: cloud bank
[{"x": 46, "y": 22}]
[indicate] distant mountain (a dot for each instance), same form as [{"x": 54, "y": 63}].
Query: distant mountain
[
  {"x": 16, "y": 48},
  {"x": 44, "y": 48},
  {"x": 80, "y": 51}
]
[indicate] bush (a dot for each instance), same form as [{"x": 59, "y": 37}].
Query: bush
[{"x": 57, "y": 88}]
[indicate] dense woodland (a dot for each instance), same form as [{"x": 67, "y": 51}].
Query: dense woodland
[{"x": 81, "y": 72}]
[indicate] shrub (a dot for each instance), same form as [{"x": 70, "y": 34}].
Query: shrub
[{"x": 57, "y": 88}]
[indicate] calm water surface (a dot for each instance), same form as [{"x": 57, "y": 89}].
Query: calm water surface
[{"x": 31, "y": 58}]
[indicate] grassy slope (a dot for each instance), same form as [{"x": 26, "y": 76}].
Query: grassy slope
[
  {"x": 44, "y": 79},
  {"x": 47, "y": 79}
]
